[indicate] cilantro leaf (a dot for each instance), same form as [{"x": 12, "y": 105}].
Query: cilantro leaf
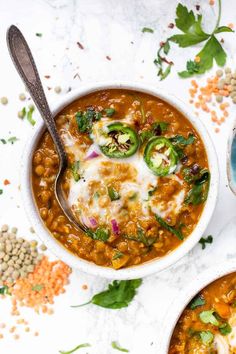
[
  {"x": 100, "y": 234},
  {"x": 197, "y": 301},
  {"x": 223, "y": 29},
  {"x": 4, "y": 290},
  {"x": 113, "y": 194},
  {"x": 203, "y": 241},
  {"x": 212, "y": 50},
  {"x": 191, "y": 26},
  {"x": 176, "y": 232},
  {"x": 118, "y": 295},
  {"x": 192, "y": 68},
  {"x": 181, "y": 140},
  {"x": 109, "y": 111},
  {"x": 225, "y": 329}
]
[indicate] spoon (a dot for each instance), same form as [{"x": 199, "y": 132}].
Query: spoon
[
  {"x": 25, "y": 65},
  {"x": 231, "y": 160}
]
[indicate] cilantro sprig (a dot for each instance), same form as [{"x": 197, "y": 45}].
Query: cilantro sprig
[
  {"x": 193, "y": 33},
  {"x": 118, "y": 295}
]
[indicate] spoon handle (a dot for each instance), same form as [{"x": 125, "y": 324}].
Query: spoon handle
[{"x": 25, "y": 65}]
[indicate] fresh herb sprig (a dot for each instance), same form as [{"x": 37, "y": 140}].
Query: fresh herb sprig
[
  {"x": 116, "y": 346},
  {"x": 85, "y": 345},
  {"x": 118, "y": 295},
  {"x": 193, "y": 33}
]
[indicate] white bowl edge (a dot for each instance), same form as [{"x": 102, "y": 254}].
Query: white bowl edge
[
  {"x": 152, "y": 266},
  {"x": 186, "y": 295}
]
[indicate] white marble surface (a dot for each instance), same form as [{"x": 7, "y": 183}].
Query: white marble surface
[{"x": 105, "y": 28}]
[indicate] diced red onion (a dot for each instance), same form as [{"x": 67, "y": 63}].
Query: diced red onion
[
  {"x": 92, "y": 155},
  {"x": 115, "y": 227},
  {"x": 93, "y": 222}
]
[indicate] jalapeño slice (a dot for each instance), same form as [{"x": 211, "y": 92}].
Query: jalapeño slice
[
  {"x": 160, "y": 156},
  {"x": 122, "y": 141}
]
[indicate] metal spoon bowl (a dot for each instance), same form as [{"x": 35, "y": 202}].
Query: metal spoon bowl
[{"x": 26, "y": 67}]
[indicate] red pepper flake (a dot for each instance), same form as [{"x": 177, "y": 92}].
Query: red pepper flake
[
  {"x": 80, "y": 45},
  {"x": 6, "y": 182},
  {"x": 107, "y": 57},
  {"x": 222, "y": 40},
  {"x": 171, "y": 25},
  {"x": 197, "y": 7},
  {"x": 49, "y": 88},
  {"x": 47, "y": 76}
]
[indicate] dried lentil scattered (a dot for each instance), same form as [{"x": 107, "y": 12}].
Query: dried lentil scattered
[
  {"x": 42, "y": 280},
  {"x": 22, "y": 96},
  {"x": 217, "y": 89},
  {"x": 17, "y": 256},
  {"x": 4, "y": 100},
  {"x": 57, "y": 89}
]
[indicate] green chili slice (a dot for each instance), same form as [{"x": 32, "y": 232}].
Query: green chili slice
[
  {"x": 122, "y": 141},
  {"x": 160, "y": 156}
]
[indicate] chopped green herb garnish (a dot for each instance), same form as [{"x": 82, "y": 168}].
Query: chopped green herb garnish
[
  {"x": 141, "y": 237},
  {"x": 39, "y": 34},
  {"x": 1, "y": 191},
  {"x": 85, "y": 345},
  {"x": 209, "y": 317},
  {"x": 100, "y": 234},
  {"x": 181, "y": 140},
  {"x": 147, "y": 30},
  {"x": 116, "y": 346},
  {"x": 37, "y": 287},
  {"x": 162, "y": 63},
  {"x": 157, "y": 129},
  {"x": 192, "y": 68},
  {"x": 206, "y": 337},
  {"x": 84, "y": 119},
  {"x": 3, "y": 141},
  {"x": 225, "y": 329},
  {"x": 23, "y": 113},
  {"x": 75, "y": 169},
  {"x": 113, "y": 194},
  {"x": 29, "y": 115},
  {"x": 176, "y": 232},
  {"x": 118, "y": 295},
  {"x": 4, "y": 290},
  {"x": 203, "y": 241},
  {"x": 12, "y": 140},
  {"x": 197, "y": 301},
  {"x": 109, "y": 112},
  {"x": 199, "y": 192},
  {"x": 117, "y": 255}
]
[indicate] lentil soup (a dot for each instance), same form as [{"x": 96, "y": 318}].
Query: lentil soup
[
  {"x": 137, "y": 179},
  {"x": 208, "y": 324}
]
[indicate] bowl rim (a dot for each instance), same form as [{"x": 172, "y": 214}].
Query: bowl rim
[
  {"x": 177, "y": 306},
  {"x": 152, "y": 266}
]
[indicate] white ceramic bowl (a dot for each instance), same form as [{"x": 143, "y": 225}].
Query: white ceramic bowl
[
  {"x": 178, "y": 306},
  {"x": 152, "y": 266}
]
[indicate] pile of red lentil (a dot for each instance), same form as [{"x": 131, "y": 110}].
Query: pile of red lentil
[
  {"x": 219, "y": 88},
  {"x": 35, "y": 285}
]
